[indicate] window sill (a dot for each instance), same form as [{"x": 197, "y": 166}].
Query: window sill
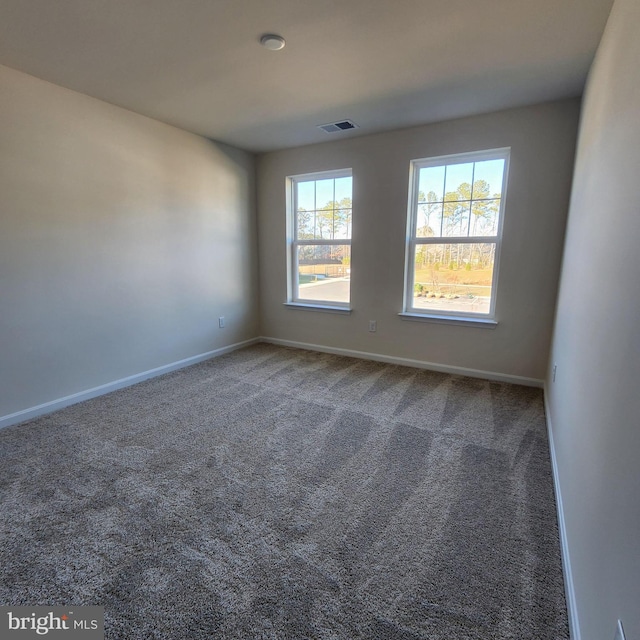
[
  {"x": 482, "y": 323},
  {"x": 327, "y": 308}
]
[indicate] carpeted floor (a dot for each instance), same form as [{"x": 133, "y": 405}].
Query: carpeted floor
[{"x": 279, "y": 493}]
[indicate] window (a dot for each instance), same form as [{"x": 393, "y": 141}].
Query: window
[
  {"x": 454, "y": 232},
  {"x": 319, "y": 239}
]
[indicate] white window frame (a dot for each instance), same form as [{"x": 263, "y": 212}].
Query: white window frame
[
  {"x": 293, "y": 292},
  {"x": 415, "y": 313}
]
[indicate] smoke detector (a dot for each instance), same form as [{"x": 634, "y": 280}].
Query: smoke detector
[{"x": 272, "y": 42}]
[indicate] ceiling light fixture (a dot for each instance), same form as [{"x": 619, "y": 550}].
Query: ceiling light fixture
[{"x": 272, "y": 42}]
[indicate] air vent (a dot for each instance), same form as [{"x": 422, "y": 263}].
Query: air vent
[{"x": 334, "y": 127}]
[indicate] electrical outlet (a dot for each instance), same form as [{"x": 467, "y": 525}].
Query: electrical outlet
[
  {"x": 221, "y": 322},
  {"x": 555, "y": 368},
  {"x": 373, "y": 325},
  {"x": 619, "y": 632}
]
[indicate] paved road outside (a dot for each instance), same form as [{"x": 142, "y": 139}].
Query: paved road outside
[
  {"x": 331, "y": 289},
  {"x": 337, "y": 290}
]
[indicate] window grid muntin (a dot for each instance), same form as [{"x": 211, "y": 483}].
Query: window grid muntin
[
  {"x": 334, "y": 225},
  {"x": 442, "y": 202}
]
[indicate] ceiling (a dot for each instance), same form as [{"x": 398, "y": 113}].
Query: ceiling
[{"x": 384, "y": 64}]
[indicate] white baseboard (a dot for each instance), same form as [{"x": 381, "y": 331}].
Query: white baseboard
[
  {"x": 60, "y": 403},
  {"x": 420, "y": 364},
  {"x": 54, "y": 405},
  {"x": 570, "y": 594}
]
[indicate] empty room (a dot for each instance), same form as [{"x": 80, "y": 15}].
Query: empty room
[{"x": 320, "y": 320}]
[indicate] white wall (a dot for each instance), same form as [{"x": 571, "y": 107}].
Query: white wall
[
  {"x": 542, "y": 140},
  {"x": 594, "y": 403},
  {"x": 121, "y": 242}
]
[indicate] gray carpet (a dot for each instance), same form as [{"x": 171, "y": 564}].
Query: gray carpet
[{"x": 280, "y": 493}]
